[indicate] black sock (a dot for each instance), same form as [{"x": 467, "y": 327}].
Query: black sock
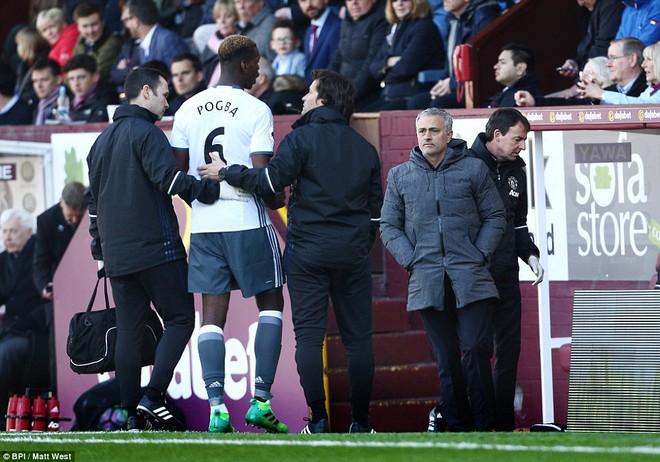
[
  {"x": 318, "y": 411},
  {"x": 153, "y": 394}
]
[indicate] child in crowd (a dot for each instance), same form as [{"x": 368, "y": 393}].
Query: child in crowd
[{"x": 284, "y": 42}]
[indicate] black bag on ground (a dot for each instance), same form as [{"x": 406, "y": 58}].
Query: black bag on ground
[{"x": 93, "y": 335}]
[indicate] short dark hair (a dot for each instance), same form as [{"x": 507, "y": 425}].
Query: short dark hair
[
  {"x": 7, "y": 79},
  {"x": 159, "y": 65},
  {"x": 521, "y": 54},
  {"x": 86, "y": 62},
  {"x": 86, "y": 9},
  {"x": 631, "y": 46},
  {"x": 145, "y": 10},
  {"x": 235, "y": 48},
  {"x": 46, "y": 63},
  {"x": 284, "y": 24},
  {"x": 73, "y": 195},
  {"x": 503, "y": 119},
  {"x": 194, "y": 59},
  {"x": 139, "y": 77},
  {"x": 335, "y": 90}
]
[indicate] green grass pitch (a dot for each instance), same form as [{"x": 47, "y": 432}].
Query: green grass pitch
[{"x": 382, "y": 447}]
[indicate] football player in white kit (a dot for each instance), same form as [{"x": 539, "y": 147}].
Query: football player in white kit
[{"x": 233, "y": 244}]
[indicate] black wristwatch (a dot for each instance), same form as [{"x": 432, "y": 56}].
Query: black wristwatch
[{"x": 221, "y": 173}]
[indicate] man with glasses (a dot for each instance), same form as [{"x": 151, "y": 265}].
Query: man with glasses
[
  {"x": 624, "y": 61},
  {"x": 148, "y": 40}
]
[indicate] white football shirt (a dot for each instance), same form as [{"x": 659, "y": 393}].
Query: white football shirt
[{"x": 227, "y": 120}]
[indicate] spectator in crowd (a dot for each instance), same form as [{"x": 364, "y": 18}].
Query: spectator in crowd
[
  {"x": 226, "y": 20},
  {"x": 287, "y": 94},
  {"x": 182, "y": 16},
  {"x": 13, "y": 110},
  {"x": 499, "y": 147},
  {"x": 61, "y": 36},
  {"x": 95, "y": 39},
  {"x": 255, "y": 20},
  {"x": 651, "y": 67},
  {"x": 91, "y": 95},
  {"x": 321, "y": 37},
  {"x": 515, "y": 70},
  {"x": 444, "y": 234},
  {"x": 363, "y": 31},
  {"x": 262, "y": 85},
  {"x": 26, "y": 326},
  {"x": 46, "y": 79},
  {"x": 9, "y": 52},
  {"x": 284, "y": 42},
  {"x": 595, "y": 69},
  {"x": 337, "y": 174},
  {"x": 291, "y": 10},
  {"x": 30, "y": 46},
  {"x": 135, "y": 238},
  {"x": 440, "y": 20},
  {"x": 412, "y": 45},
  {"x": 55, "y": 228},
  {"x": 148, "y": 42},
  {"x": 624, "y": 61},
  {"x": 187, "y": 78},
  {"x": 241, "y": 131},
  {"x": 465, "y": 19},
  {"x": 640, "y": 19},
  {"x": 604, "y": 20}
]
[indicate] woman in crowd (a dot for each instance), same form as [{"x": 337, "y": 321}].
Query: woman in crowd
[
  {"x": 30, "y": 46},
  {"x": 61, "y": 36},
  {"x": 412, "y": 45},
  {"x": 226, "y": 18}
]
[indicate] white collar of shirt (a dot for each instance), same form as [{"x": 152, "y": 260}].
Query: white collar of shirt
[
  {"x": 625, "y": 89},
  {"x": 9, "y": 105},
  {"x": 146, "y": 42},
  {"x": 320, "y": 21}
]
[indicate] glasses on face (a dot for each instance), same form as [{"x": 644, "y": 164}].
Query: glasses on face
[{"x": 614, "y": 58}]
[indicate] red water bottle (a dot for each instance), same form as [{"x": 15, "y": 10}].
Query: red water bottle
[
  {"x": 11, "y": 414},
  {"x": 23, "y": 414},
  {"x": 53, "y": 415},
  {"x": 39, "y": 414}
]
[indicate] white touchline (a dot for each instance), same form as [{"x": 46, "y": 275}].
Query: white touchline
[{"x": 330, "y": 443}]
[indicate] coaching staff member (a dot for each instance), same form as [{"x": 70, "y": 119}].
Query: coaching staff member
[{"x": 132, "y": 173}]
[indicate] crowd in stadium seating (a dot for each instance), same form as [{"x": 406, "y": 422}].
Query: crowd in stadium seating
[{"x": 399, "y": 53}]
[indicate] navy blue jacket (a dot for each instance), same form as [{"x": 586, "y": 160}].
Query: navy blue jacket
[
  {"x": 132, "y": 173},
  {"x": 419, "y": 44},
  {"x": 511, "y": 182},
  {"x": 335, "y": 201},
  {"x": 359, "y": 43},
  {"x": 325, "y": 47}
]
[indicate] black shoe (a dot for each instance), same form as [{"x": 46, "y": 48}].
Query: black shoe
[
  {"x": 437, "y": 423},
  {"x": 158, "y": 415},
  {"x": 136, "y": 423},
  {"x": 319, "y": 427},
  {"x": 357, "y": 428}
]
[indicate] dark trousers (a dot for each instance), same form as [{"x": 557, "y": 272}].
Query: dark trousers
[
  {"x": 350, "y": 290},
  {"x": 506, "y": 329},
  {"x": 462, "y": 344},
  {"x": 166, "y": 286}
]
